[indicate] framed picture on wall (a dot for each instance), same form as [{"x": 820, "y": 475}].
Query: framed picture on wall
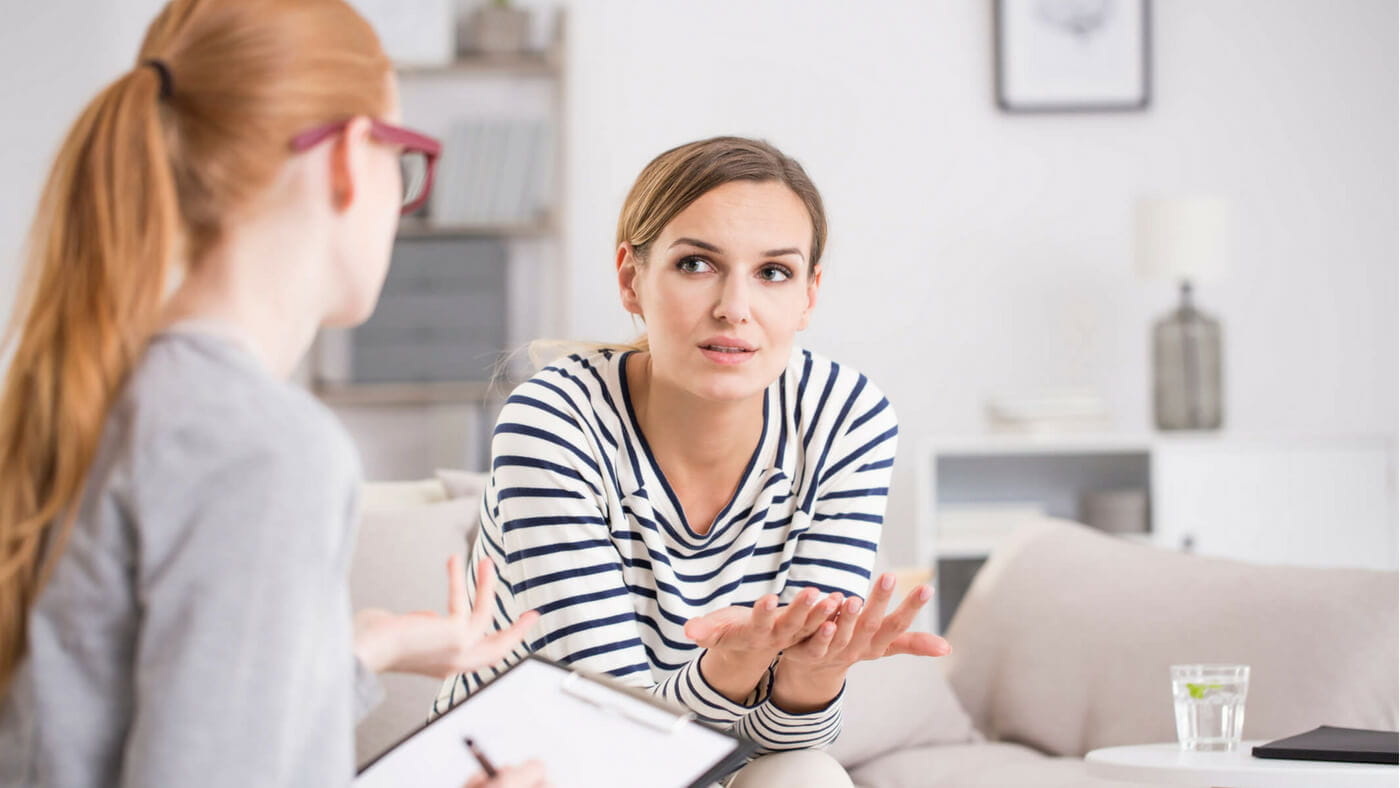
[{"x": 1072, "y": 55}]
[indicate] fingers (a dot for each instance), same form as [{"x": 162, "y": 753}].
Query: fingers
[
  {"x": 900, "y": 620},
  {"x": 707, "y": 630},
  {"x": 765, "y": 613},
  {"x": 457, "y": 604},
  {"x": 874, "y": 613},
  {"x": 920, "y": 644},
  {"x": 480, "y": 616},
  {"x": 821, "y": 613},
  {"x": 493, "y": 648},
  {"x": 527, "y": 775},
  {"x": 845, "y": 625},
  {"x": 788, "y": 629}
]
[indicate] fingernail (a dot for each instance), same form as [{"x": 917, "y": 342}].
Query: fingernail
[
  {"x": 925, "y": 593},
  {"x": 854, "y": 605},
  {"x": 887, "y": 582}
]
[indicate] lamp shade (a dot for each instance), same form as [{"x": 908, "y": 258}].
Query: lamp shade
[{"x": 1181, "y": 238}]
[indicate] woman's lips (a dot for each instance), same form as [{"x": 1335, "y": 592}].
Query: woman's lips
[{"x": 727, "y": 355}]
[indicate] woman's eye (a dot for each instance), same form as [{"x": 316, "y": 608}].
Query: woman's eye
[
  {"x": 774, "y": 273},
  {"x": 693, "y": 265}
]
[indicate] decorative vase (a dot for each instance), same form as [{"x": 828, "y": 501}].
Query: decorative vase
[
  {"x": 497, "y": 29},
  {"x": 1186, "y": 353}
]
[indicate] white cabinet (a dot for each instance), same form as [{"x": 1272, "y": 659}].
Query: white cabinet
[{"x": 1326, "y": 502}]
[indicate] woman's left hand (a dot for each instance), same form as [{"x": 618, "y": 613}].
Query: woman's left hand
[
  {"x": 435, "y": 645},
  {"x": 811, "y": 673},
  {"x": 863, "y": 631}
]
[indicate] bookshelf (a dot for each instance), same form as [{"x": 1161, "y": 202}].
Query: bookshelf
[{"x": 474, "y": 277}]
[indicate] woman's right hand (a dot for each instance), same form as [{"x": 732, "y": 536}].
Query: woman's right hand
[
  {"x": 740, "y": 642},
  {"x": 764, "y": 629},
  {"x": 529, "y": 774}
]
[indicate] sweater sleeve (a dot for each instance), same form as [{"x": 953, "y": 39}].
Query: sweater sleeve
[
  {"x": 845, "y": 507},
  {"x": 545, "y": 526}
]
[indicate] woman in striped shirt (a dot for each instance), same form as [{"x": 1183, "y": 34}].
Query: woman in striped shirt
[{"x": 698, "y": 514}]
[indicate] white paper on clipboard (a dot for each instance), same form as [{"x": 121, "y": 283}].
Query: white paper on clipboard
[{"x": 587, "y": 734}]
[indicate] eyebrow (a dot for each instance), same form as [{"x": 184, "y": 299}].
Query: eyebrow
[{"x": 709, "y": 247}]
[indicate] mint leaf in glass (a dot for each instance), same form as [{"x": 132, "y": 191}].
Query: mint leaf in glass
[{"x": 1198, "y": 691}]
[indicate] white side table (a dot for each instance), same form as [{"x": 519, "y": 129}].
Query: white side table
[{"x": 1168, "y": 763}]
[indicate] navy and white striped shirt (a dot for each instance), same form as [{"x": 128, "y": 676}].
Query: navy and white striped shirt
[{"x": 583, "y": 527}]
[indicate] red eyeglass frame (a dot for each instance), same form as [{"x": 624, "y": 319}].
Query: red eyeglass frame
[{"x": 387, "y": 133}]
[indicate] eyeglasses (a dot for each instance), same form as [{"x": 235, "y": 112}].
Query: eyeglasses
[{"x": 417, "y": 159}]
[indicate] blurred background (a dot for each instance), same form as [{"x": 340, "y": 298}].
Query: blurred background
[{"x": 987, "y": 254}]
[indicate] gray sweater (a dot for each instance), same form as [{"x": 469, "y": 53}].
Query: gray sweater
[{"x": 196, "y": 630}]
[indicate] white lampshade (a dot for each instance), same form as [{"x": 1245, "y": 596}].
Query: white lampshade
[{"x": 1181, "y": 238}]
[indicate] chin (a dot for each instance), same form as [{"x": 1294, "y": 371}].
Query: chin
[
  {"x": 731, "y": 385},
  {"x": 351, "y": 315}
]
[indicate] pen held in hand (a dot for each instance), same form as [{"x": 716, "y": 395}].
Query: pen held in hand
[{"x": 486, "y": 765}]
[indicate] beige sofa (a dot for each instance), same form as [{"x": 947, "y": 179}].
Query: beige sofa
[{"x": 1060, "y": 646}]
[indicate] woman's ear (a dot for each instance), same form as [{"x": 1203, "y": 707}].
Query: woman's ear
[
  {"x": 627, "y": 273},
  {"x": 812, "y": 289},
  {"x": 349, "y": 161}
]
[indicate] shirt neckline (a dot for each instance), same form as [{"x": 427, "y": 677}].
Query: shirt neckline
[{"x": 716, "y": 527}]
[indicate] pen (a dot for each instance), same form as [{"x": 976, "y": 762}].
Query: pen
[{"x": 481, "y": 758}]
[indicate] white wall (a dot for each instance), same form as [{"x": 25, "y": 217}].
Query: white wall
[
  {"x": 998, "y": 247},
  {"x": 974, "y": 251},
  {"x": 971, "y": 251}
]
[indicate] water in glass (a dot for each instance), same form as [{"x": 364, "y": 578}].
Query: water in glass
[{"x": 1209, "y": 705}]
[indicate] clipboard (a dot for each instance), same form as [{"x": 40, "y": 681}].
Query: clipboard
[{"x": 589, "y": 731}]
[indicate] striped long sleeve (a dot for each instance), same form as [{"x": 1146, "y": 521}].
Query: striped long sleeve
[{"x": 583, "y": 528}]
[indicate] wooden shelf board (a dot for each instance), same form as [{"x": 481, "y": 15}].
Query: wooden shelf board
[
  {"x": 530, "y": 64},
  {"x": 409, "y": 393},
  {"x": 413, "y": 229}
]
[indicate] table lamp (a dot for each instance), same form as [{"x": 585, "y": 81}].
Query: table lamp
[{"x": 1183, "y": 239}]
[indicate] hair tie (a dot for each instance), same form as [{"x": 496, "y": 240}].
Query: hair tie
[{"x": 167, "y": 82}]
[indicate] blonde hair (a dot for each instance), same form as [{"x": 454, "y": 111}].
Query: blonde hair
[
  {"x": 679, "y": 177},
  {"x": 150, "y": 174}
]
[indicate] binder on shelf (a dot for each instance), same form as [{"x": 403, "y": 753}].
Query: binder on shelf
[{"x": 588, "y": 732}]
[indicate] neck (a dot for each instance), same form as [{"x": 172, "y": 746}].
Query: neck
[
  {"x": 261, "y": 288},
  {"x": 691, "y": 436}
]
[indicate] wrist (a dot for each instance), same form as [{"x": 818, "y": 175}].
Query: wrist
[
  {"x": 374, "y": 651},
  {"x": 805, "y": 689},
  {"x": 735, "y": 675}
]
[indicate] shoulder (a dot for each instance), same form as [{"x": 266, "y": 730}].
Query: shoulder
[
  {"x": 578, "y": 390},
  {"x": 199, "y": 403},
  {"x": 823, "y": 394}
]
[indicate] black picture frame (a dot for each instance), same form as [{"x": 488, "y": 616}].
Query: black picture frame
[{"x": 1015, "y": 51}]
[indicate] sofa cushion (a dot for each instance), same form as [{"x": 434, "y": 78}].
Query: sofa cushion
[
  {"x": 407, "y": 531},
  {"x": 932, "y": 766},
  {"x": 1064, "y": 640},
  {"x": 896, "y": 703},
  {"x": 1065, "y": 772}
]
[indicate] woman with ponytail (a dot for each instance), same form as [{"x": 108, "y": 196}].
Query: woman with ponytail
[{"x": 176, "y": 519}]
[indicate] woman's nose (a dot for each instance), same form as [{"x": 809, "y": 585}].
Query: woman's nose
[{"x": 733, "y": 304}]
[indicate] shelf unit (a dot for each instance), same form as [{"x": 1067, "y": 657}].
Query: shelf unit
[
  {"x": 1300, "y": 500},
  {"x": 499, "y": 284}
]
